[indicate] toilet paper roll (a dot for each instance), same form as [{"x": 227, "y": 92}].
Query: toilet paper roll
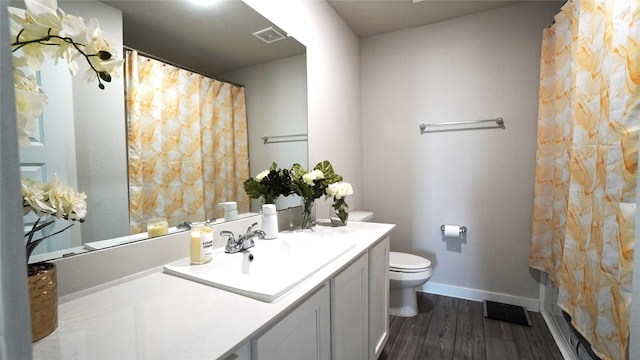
[{"x": 452, "y": 230}]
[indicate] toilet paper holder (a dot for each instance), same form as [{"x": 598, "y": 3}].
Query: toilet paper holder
[{"x": 463, "y": 229}]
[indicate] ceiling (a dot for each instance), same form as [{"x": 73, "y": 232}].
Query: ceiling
[
  {"x": 194, "y": 37},
  {"x": 373, "y": 17},
  {"x": 211, "y": 39}
]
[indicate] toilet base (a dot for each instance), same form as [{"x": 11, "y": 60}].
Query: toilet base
[{"x": 403, "y": 302}]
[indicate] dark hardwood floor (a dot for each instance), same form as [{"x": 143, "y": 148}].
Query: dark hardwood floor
[{"x": 450, "y": 328}]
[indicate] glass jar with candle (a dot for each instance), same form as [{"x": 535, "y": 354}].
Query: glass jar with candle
[
  {"x": 201, "y": 245},
  {"x": 157, "y": 226}
]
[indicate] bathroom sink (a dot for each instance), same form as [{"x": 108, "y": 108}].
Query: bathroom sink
[{"x": 267, "y": 270}]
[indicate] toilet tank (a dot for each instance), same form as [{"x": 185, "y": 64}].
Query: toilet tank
[{"x": 359, "y": 215}]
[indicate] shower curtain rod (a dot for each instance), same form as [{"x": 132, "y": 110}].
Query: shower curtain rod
[{"x": 154, "y": 57}]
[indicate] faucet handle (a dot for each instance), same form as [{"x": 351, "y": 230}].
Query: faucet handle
[
  {"x": 228, "y": 234},
  {"x": 261, "y": 234},
  {"x": 252, "y": 226}
]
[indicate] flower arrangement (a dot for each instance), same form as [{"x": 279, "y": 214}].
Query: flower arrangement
[
  {"x": 55, "y": 198},
  {"x": 43, "y": 31},
  {"x": 269, "y": 184},
  {"x": 312, "y": 185},
  {"x": 322, "y": 180}
]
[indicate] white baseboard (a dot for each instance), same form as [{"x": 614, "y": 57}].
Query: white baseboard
[{"x": 531, "y": 304}]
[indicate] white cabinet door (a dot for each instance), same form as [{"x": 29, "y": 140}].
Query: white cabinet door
[
  {"x": 378, "y": 297},
  {"x": 349, "y": 312},
  {"x": 303, "y": 334}
]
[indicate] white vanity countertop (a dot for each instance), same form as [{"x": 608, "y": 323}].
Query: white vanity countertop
[{"x": 160, "y": 316}]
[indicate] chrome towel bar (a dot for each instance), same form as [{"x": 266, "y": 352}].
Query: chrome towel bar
[
  {"x": 499, "y": 124},
  {"x": 284, "y": 138}
]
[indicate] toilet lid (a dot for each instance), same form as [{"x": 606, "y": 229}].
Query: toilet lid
[{"x": 407, "y": 262}]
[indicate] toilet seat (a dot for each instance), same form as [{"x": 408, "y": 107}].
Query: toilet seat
[{"x": 407, "y": 263}]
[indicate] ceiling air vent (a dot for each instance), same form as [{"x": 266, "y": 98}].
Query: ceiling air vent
[{"x": 269, "y": 35}]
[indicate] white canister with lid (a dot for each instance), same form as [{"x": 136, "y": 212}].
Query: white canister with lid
[
  {"x": 269, "y": 221},
  {"x": 230, "y": 210}
]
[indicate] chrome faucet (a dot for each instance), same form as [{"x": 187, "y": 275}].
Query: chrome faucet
[
  {"x": 244, "y": 241},
  {"x": 187, "y": 225}
]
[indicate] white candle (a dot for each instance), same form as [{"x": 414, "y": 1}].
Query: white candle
[
  {"x": 157, "y": 227},
  {"x": 201, "y": 245}
]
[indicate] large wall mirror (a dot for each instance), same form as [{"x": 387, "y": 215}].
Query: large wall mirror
[{"x": 213, "y": 39}]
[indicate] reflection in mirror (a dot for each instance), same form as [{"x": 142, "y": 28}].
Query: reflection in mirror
[
  {"x": 216, "y": 42},
  {"x": 187, "y": 143}
]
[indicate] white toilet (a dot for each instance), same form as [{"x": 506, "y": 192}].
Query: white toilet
[{"x": 406, "y": 272}]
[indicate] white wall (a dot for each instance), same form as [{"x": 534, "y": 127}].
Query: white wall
[
  {"x": 333, "y": 81},
  {"x": 101, "y": 148},
  {"x": 276, "y": 94},
  {"x": 476, "y": 67}
]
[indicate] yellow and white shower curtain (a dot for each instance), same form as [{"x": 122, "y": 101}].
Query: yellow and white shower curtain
[
  {"x": 187, "y": 143},
  {"x": 586, "y": 168}
]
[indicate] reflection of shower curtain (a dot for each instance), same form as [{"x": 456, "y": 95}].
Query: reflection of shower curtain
[
  {"x": 187, "y": 143},
  {"x": 585, "y": 189}
]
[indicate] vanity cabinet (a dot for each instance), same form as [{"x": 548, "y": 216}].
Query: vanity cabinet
[
  {"x": 378, "y": 297},
  {"x": 346, "y": 319},
  {"x": 303, "y": 334},
  {"x": 350, "y": 311}
]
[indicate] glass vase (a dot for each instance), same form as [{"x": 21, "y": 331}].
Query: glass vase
[
  {"x": 308, "y": 219},
  {"x": 335, "y": 218}
]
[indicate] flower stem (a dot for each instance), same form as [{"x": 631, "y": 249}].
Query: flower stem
[
  {"x": 43, "y": 41},
  {"x": 32, "y": 244},
  {"x": 307, "y": 220}
]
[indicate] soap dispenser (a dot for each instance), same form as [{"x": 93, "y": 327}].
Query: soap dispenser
[
  {"x": 269, "y": 221},
  {"x": 230, "y": 210}
]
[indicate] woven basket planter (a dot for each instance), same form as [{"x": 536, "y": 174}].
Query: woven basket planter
[{"x": 43, "y": 295}]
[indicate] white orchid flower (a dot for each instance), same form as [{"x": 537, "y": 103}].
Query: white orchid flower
[
  {"x": 55, "y": 198},
  {"x": 30, "y": 102},
  {"x": 37, "y": 33},
  {"x": 33, "y": 196}
]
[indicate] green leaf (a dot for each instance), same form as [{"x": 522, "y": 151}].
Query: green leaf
[
  {"x": 330, "y": 176},
  {"x": 277, "y": 182},
  {"x": 297, "y": 171}
]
